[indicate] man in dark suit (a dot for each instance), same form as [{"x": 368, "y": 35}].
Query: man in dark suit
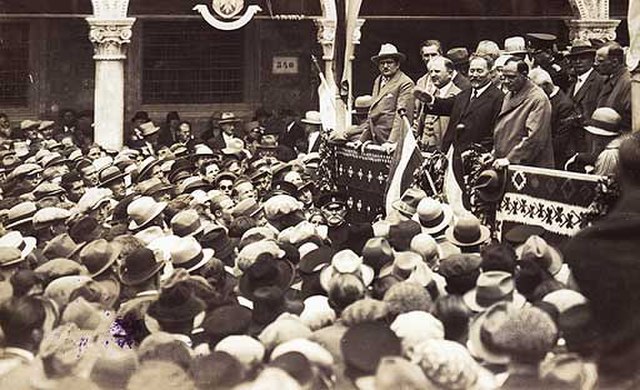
[
  {"x": 473, "y": 114},
  {"x": 562, "y": 115},
  {"x": 616, "y": 91},
  {"x": 291, "y": 132},
  {"x": 584, "y": 91},
  {"x": 473, "y": 111},
  {"x": 391, "y": 92}
]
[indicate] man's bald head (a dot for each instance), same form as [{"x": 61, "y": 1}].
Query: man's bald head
[{"x": 440, "y": 71}]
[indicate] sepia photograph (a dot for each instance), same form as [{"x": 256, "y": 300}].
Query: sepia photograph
[{"x": 319, "y": 194}]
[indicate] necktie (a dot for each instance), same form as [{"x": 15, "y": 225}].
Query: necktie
[{"x": 474, "y": 94}]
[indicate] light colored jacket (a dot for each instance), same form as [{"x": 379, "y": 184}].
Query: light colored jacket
[{"x": 523, "y": 128}]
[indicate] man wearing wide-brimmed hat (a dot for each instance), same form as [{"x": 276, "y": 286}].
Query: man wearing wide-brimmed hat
[{"x": 391, "y": 92}]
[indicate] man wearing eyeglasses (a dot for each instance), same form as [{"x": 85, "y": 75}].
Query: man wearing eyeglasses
[{"x": 392, "y": 90}]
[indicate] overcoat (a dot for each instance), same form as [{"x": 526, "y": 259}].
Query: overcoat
[
  {"x": 616, "y": 93},
  {"x": 523, "y": 128}
]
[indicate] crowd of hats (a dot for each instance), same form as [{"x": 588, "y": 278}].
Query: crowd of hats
[{"x": 120, "y": 270}]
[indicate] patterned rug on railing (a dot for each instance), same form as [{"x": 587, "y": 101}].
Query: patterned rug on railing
[
  {"x": 561, "y": 202},
  {"x": 363, "y": 177}
]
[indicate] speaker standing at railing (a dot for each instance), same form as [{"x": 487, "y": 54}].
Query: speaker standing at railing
[{"x": 391, "y": 91}]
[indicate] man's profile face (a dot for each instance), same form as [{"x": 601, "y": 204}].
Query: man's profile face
[
  {"x": 513, "y": 80},
  {"x": 428, "y": 52},
  {"x": 439, "y": 73},
  {"x": 603, "y": 63},
  {"x": 388, "y": 67},
  {"x": 479, "y": 73}
]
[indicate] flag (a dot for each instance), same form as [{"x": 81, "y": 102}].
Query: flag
[
  {"x": 454, "y": 184},
  {"x": 406, "y": 159},
  {"x": 326, "y": 96}
]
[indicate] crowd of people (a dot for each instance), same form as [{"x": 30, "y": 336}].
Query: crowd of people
[{"x": 215, "y": 261}]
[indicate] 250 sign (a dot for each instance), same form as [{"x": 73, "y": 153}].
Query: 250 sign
[{"x": 285, "y": 65}]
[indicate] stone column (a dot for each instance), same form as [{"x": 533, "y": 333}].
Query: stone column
[
  {"x": 109, "y": 38},
  {"x": 326, "y": 39},
  {"x": 593, "y": 21},
  {"x": 604, "y": 29}
]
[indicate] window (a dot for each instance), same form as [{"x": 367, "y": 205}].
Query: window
[
  {"x": 191, "y": 63},
  {"x": 14, "y": 64}
]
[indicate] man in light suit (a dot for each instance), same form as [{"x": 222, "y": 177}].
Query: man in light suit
[
  {"x": 391, "y": 92},
  {"x": 429, "y": 49},
  {"x": 435, "y": 125}
]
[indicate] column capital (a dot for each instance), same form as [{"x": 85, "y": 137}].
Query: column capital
[
  {"x": 326, "y": 36},
  {"x": 109, "y": 37},
  {"x": 357, "y": 32},
  {"x": 585, "y": 29}
]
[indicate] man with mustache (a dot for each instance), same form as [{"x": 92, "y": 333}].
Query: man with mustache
[{"x": 473, "y": 113}]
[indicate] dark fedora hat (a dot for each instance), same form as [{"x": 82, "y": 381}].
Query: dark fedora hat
[
  {"x": 139, "y": 266},
  {"x": 218, "y": 240},
  {"x": 269, "y": 302},
  {"x": 266, "y": 273},
  {"x": 109, "y": 175},
  {"x": 176, "y": 304},
  {"x": 490, "y": 185},
  {"x": 315, "y": 260},
  {"x": 365, "y": 344},
  {"x": 226, "y": 321}
]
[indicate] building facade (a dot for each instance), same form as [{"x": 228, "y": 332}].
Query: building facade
[{"x": 176, "y": 61}]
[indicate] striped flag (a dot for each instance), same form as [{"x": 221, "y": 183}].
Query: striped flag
[{"x": 406, "y": 159}]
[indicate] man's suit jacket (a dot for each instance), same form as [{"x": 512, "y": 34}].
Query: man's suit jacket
[
  {"x": 291, "y": 137},
  {"x": 562, "y": 127},
  {"x": 586, "y": 99},
  {"x": 616, "y": 93},
  {"x": 383, "y": 123},
  {"x": 436, "y": 125},
  {"x": 523, "y": 128},
  {"x": 477, "y": 116}
]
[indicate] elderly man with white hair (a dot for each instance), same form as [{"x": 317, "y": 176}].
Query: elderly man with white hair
[{"x": 564, "y": 118}]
